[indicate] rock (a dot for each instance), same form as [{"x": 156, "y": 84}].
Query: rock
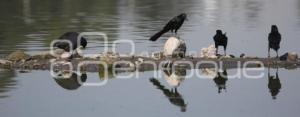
[
  {"x": 65, "y": 55},
  {"x": 232, "y": 56},
  {"x": 250, "y": 57},
  {"x": 110, "y": 57},
  {"x": 225, "y": 57},
  {"x": 42, "y": 56},
  {"x": 17, "y": 56},
  {"x": 157, "y": 55},
  {"x": 209, "y": 52},
  {"x": 242, "y": 55},
  {"x": 289, "y": 56},
  {"x": 141, "y": 60},
  {"x": 5, "y": 63},
  {"x": 174, "y": 47}
]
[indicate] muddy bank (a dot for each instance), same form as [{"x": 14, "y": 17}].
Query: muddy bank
[{"x": 22, "y": 61}]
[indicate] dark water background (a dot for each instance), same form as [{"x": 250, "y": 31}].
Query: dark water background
[{"x": 31, "y": 25}]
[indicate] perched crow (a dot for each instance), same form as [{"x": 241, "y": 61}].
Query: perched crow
[
  {"x": 274, "y": 40},
  {"x": 220, "y": 40},
  {"x": 173, "y": 25},
  {"x": 72, "y": 37}
]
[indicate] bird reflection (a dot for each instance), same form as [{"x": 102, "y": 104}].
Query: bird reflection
[
  {"x": 174, "y": 79},
  {"x": 70, "y": 81},
  {"x": 220, "y": 80},
  {"x": 274, "y": 84}
]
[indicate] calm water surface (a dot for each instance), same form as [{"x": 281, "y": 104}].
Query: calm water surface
[{"x": 30, "y": 25}]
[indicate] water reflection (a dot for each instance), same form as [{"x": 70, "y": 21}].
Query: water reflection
[
  {"x": 7, "y": 81},
  {"x": 174, "y": 79},
  {"x": 220, "y": 80},
  {"x": 253, "y": 8},
  {"x": 274, "y": 84},
  {"x": 70, "y": 81}
]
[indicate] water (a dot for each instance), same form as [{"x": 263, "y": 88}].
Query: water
[
  {"x": 37, "y": 94},
  {"x": 30, "y": 25}
]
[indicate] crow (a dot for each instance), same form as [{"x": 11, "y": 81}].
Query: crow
[
  {"x": 274, "y": 40},
  {"x": 173, "y": 25},
  {"x": 73, "y": 38},
  {"x": 220, "y": 40}
]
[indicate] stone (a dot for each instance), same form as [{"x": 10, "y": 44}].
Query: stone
[
  {"x": 174, "y": 48},
  {"x": 232, "y": 56},
  {"x": 17, "y": 56},
  {"x": 209, "y": 52},
  {"x": 5, "y": 62},
  {"x": 289, "y": 56},
  {"x": 225, "y": 57},
  {"x": 242, "y": 55},
  {"x": 157, "y": 55}
]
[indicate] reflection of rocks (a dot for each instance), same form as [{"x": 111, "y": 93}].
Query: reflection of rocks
[
  {"x": 274, "y": 84},
  {"x": 70, "y": 81},
  {"x": 209, "y": 72},
  {"x": 173, "y": 95},
  {"x": 7, "y": 81},
  {"x": 220, "y": 80},
  {"x": 107, "y": 74},
  {"x": 174, "y": 78}
]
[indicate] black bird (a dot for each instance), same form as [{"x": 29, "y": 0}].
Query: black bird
[
  {"x": 220, "y": 40},
  {"x": 173, "y": 25},
  {"x": 73, "y": 38},
  {"x": 274, "y": 40}
]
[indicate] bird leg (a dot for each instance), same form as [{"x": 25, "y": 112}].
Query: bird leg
[
  {"x": 277, "y": 54},
  {"x": 269, "y": 52},
  {"x": 216, "y": 50},
  {"x": 225, "y": 50}
]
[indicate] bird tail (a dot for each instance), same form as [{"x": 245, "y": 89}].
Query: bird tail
[{"x": 157, "y": 35}]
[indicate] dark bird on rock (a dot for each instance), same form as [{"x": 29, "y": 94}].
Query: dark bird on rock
[
  {"x": 274, "y": 40},
  {"x": 173, "y": 25},
  {"x": 73, "y": 38},
  {"x": 220, "y": 40}
]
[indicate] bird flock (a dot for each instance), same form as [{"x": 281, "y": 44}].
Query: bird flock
[{"x": 220, "y": 38}]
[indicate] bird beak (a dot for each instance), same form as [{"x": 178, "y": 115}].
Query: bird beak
[{"x": 186, "y": 19}]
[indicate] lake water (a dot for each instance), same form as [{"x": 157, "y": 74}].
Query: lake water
[{"x": 31, "y": 25}]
